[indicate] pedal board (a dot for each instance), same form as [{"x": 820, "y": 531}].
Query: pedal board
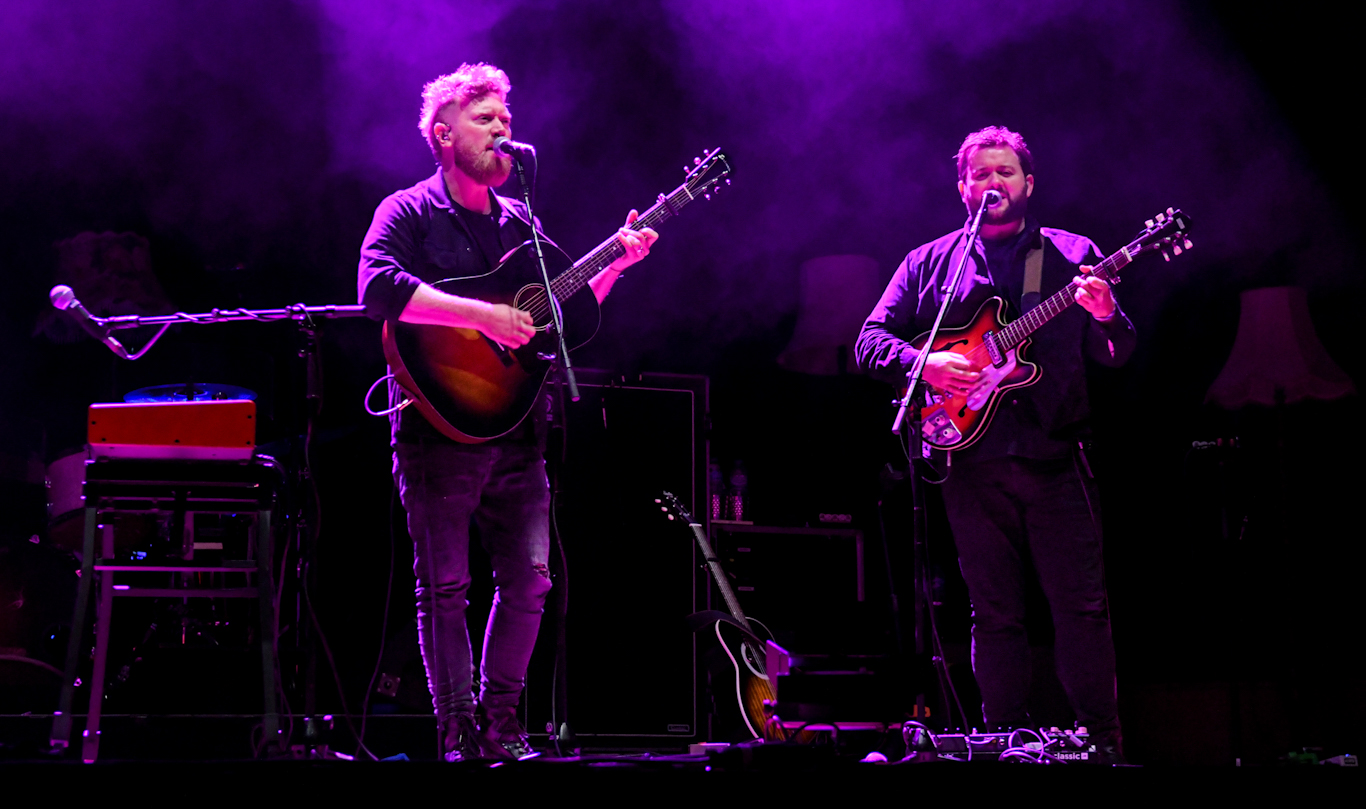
[{"x": 1063, "y": 745}]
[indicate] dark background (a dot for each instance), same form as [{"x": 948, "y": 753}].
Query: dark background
[{"x": 250, "y": 142}]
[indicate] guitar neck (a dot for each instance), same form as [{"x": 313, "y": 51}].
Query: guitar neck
[
  {"x": 597, "y": 260},
  {"x": 1015, "y": 333},
  {"x": 718, "y": 575}
]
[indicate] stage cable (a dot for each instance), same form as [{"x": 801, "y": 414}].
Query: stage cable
[
  {"x": 560, "y": 628},
  {"x": 947, "y": 689},
  {"x": 904, "y": 442},
  {"x": 311, "y": 484},
  {"x": 384, "y": 623},
  {"x": 560, "y": 418}
]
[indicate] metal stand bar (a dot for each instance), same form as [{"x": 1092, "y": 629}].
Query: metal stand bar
[
  {"x": 129, "y": 483},
  {"x": 61, "y": 723},
  {"x": 296, "y": 312},
  {"x": 104, "y": 618},
  {"x": 265, "y": 586}
]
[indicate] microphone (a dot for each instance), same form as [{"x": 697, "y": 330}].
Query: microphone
[
  {"x": 512, "y": 148},
  {"x": 64, "y": 298},
  {"x": 992, "y": 197}
]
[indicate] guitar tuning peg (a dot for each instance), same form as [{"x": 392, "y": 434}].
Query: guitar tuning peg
[
  {"x": 1171, "y": 212},
  {"x": 697, "y": 161},
  {"x": 727, "y": 181},
  {"x": 1189, "y": 244},
  {"x": 1176, "y": 249},
  {"x": 707, "y": 196},
  {"x": 1166, "y": 256},
  {"x": 1148, "y": 223}
]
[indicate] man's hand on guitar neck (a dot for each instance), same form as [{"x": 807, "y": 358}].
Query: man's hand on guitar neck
[
  {"x": 1093, "y": 295},
  {"x": 501, "y": 323},
  {"x": 637, "y": 244}
]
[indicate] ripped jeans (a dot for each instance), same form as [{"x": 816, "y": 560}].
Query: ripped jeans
[{"x": 503, "y": 488}]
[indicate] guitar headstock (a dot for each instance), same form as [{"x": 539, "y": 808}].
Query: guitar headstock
[
  {"x": 672, "y": 508},
  {"x": 1168, "y": 233},
  {"x": 707, "y": 174}
]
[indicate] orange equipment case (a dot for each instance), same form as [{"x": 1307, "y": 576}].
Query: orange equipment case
[{"x": 197, "y": 431}]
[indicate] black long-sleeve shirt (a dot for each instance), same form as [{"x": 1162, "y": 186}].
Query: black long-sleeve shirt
[
  {"x": 419, "y": 235},
  {"x": 1042, "y": 420}
]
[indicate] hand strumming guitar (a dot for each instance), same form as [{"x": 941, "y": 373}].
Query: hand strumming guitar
[
  {"x": 950, "y": 372},
  {"x": 501, "y": 323}
]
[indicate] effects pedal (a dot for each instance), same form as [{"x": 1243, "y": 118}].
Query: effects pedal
[{"x": 1024, "y": 745}]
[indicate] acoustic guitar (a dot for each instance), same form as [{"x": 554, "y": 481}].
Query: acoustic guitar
[
  {"x": 470, "y": 388},
  {"x": 996, "y": 349},
  {"x": 753, "y": 691}
]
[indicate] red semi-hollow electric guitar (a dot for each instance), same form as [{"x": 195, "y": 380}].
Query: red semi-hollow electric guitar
[{"x": 996, "y": 349}]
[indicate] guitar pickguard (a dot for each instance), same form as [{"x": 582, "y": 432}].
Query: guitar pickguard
[
  {"x": 990, "y": 379},
  {"x": 955, "y": 422}
]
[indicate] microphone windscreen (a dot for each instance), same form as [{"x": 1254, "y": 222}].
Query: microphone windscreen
[{"x": 62, "y": 296}]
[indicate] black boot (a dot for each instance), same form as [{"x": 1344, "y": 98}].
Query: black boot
[
  {"x": 460, "y": 739},
  {"x": 502, "y": 736}
]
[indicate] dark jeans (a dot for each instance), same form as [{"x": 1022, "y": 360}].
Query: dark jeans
[
  {"x": 503, "y": 489},
  {"x": 1004, "y": 512}
]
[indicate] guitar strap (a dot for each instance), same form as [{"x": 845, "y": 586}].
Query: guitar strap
[{"x": 1033, "y": 278}]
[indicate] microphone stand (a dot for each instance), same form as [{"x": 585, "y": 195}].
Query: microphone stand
[
  {"x": 561, "y": 349},
  {"x": 559, "y": 698},
  {"x": 298, "y": 312},
  {"x": 919, "y": 529}
]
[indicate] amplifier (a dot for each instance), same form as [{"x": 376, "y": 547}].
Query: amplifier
[
  {"x": 805, "y": 585},
  {"x": 194, "y": 431},
  {"x": 632, "y": 575},
  {"x": 832, "y": 688}
]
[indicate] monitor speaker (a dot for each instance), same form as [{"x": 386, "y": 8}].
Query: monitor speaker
[{"x": 630, "y": 577}]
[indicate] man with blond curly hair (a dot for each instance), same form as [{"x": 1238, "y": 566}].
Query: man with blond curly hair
[{"x": 453, "y": 225}]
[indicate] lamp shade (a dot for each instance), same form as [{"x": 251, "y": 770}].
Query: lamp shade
[
  {"x": 1277, "y": 357},
  {"x": 836, "y": 295}
]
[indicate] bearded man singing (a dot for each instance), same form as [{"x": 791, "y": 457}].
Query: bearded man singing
[
  {"x": 453, "y": 225},
  {"x": 1023, "y": 495}
]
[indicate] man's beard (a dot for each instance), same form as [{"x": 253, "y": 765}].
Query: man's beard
[
  {"x": 1014, "y": 211},
  {"x": 484, "y": 166}
]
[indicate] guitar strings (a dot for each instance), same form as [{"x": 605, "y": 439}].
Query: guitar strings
[
  {"x": 1015, "y": 332},
  {"x": 538, "y": 303},
  {"x": 570, "y": 281}
]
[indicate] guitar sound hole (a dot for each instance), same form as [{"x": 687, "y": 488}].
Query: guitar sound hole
[{"x": 533, "y": 300}]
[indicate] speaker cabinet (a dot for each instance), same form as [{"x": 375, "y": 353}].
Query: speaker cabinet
[
  {"x": 631, "y": 575},
  {"x": 805, "y": 584}
]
